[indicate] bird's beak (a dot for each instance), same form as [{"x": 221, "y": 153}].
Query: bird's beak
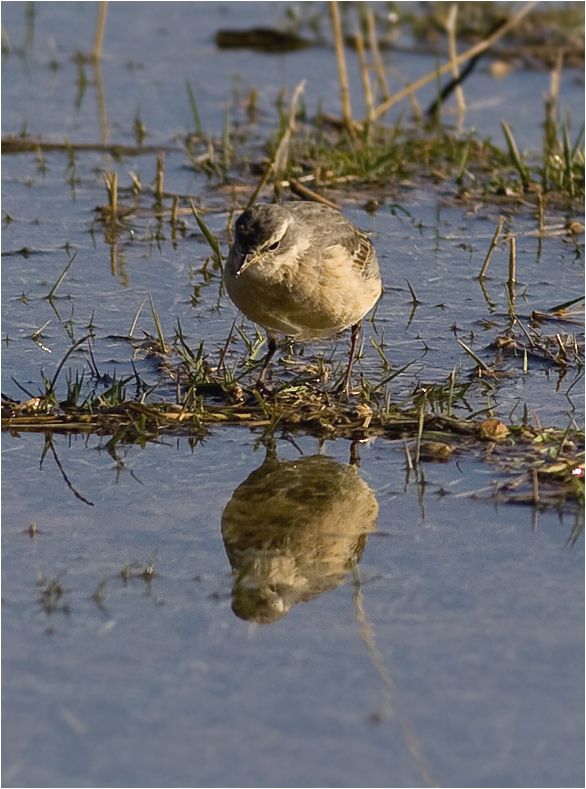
[{"x": 247, "y": 261}]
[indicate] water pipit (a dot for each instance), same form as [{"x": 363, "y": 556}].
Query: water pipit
[{"x": 302, "y": 270}]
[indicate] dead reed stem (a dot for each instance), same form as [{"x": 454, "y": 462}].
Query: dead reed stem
[
  {"x": 491, "y": 248},
  {"x": 540, "y": 213},
  {"x": 453, "y": 54},
  {"x": 342, "y": 71},
  {"x": 512, "y": 261},
  {"x": 364, "y": 76},
  {"x": 100, "y": 29},
  {"x": 376, "y": 56},
  {"x": 420, "y": 423},
  {"x": 282, "y": 153},
  {"x": 512, "y": 280},
  {"x": 308, "y": 194},
  {"x": 174, "y": 210},
  {"x": 159, "y": 185}
]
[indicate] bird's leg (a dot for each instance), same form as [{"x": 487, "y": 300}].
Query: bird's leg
[
  {"x": 265, "y": 365},
  {"x": 354, "y": 454},
  {"x": 344, "y": 385}
]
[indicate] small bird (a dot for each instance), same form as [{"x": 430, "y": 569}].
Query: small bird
[{"x": 303, "y": 270}]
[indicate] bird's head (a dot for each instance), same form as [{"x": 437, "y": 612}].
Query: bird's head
[{"x": 260, "y": 231}]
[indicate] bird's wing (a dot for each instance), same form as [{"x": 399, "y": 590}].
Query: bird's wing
[
  {"x": 332, "y": 229},
  {"x": 362, "y": 252}
]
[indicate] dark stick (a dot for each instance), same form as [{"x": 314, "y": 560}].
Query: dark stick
[{"x": 449, "y": 88}]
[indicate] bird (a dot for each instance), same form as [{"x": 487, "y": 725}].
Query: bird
[
  {"x": 293, "y": 530},
  {"x": 303, "y": 270}
]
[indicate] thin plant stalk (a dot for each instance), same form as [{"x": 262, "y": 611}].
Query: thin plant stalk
[
  {"x": 492, "y": 247},
  {"x": 278, "y": 164},
  {"x": 158, "y": 327},
  {"x": 512, "y": 279},
  {"x": 111, "y": 181},
  {"x": 364, "y": 76},
  {"x": 342, "y": 70},
  {"x": 451, "y": 390},
  {"x": 263, "y": 180},
  {"x": 51, "y": 387},
  {"x": 308, "y": 194},
  {"x": 453, "y": 54},
  {"x": 282, "y": 152},
  {"x": 476, "y": 358},
  {"x": 512, "y": 262},
  {"x": 194, "y": 110},
  {"x": 209, "y": 236},
  {"x": 376, "y": 56},
  {"x": 101, "y": 102},
  {"x": 540, "y": 214},
  {"x": 160, "y": 180},
  {"x": 135, "y": 319},
  {"x": 60, "y": 278},
  {"x": 174, "y": 210},
  {"x": 100, "y": 29},
  {"x": 515, "y": 155},
  {"x": 420, "y": 423}
]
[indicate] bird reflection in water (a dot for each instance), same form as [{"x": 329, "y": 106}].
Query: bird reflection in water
[{"x": 293, "y": 530}]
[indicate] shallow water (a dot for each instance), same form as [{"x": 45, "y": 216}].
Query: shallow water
[
  {"x": 421, "y": 633},
  {"x": 453, "y": 650}
]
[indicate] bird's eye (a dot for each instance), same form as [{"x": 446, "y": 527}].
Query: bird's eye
[{"x": 274, "y": 246}]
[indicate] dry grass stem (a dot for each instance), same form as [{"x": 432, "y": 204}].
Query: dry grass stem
[
  {"x": 341, "y": 60},
  {"x": 450, "y": 24},
  {"x": 476, "y": 358},
  {"x": 540, "y": 213},
  {"x": 160, "y": 182},
  {"x": 101, "y": 101},
  {"x": 308, "y": 194},
  {"x": 282, "y": 153},
  {"x": 376, "y": 56},
  {"x": 492, "y": 247},
  {"x": 111, "y": 181},
  {"x": 420, "y": 424},
  {"x": 174, "y": 210},
  {"x": 512, "y": 262},
  {"x": 364, "y": 76},
  {"x": 100, "y": 29}
]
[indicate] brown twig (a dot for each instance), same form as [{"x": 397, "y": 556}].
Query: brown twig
[{"x": 308, "y": 194}]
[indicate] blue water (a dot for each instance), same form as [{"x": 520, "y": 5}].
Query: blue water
[{"x": 453, "y": 654}]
